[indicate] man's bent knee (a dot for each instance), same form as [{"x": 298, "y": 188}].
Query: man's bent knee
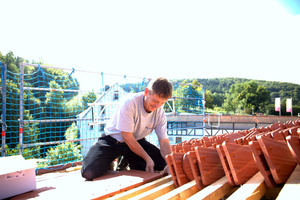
[
  {"x": 87, "y": 175},
  {"x": 90, "y": 174}
]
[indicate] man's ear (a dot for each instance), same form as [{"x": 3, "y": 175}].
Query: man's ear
[{"x": 146, "y": 92}]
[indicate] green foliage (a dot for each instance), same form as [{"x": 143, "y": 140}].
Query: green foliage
[
  {"x": 135, "y": 87},
  {"x": 220, "y": 88},
  {"x": 63, "y": 153},
  {"x": 27, "y": 153},
  {"x": 209, "y": 99},
  {"x": 250, "y": 96},
  {"x": 218, "y": 99},
  {"x": 72, "y": 132},
  {"x": 88, "y": 98},
  {"x": 188, "y": 97},
  {"x": 230, "y": 104}
]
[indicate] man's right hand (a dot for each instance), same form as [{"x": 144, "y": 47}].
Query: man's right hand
[{"x": 150, "y": 165}]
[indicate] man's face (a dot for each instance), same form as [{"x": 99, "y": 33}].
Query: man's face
[{"x": 152, "y": 101}]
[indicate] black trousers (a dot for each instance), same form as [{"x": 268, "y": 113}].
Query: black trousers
[{"x": 99, "y": 157}]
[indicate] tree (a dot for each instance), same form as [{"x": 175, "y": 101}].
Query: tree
[
  {"x": 229, "y": 104},
  {"x": 218, "y": 99},
  {"x": 189, "y": 96},
  {"x": 88, "y": 98},
  {"x": 209, "y": 99},
  {"x": 250, "y": 95},
  {"x": 55, "y": 101},
  {"x": 196, "y": 85},
  {"x": 9, "y": 60},
  {"x": 72, "y": 133},
  {"x": 67, "y": 151}
]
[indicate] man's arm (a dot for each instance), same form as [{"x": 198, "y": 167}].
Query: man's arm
[
  {"x": 165, "y": 149},
  {"x": 138, "y": 150}
]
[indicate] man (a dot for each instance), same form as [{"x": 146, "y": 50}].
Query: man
[{"x": 135, "y": 118}]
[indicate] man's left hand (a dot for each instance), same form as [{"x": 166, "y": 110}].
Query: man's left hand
[{"x": 166, "y": 170}]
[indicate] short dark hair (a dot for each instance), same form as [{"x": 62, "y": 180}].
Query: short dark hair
[{"x": 161, "y": 87}]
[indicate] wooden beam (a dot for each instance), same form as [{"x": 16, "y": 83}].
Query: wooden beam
[
  {"x": 182, "y": 192},
  {"x": 143, "y": 188},
  {"x": 156, "y": 192},
  {"x": 214, "y": 191},
  {"x": 291, "y": 188},
  {"x": 254, "y": 188}
]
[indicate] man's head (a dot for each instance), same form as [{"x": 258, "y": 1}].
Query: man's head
[{"x": 157, "y": 92}]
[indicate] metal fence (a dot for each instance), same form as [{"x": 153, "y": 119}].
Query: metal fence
[{"x": 56, "y": 114}]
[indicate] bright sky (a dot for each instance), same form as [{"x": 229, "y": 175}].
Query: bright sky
[{"x": 255, "y": 39}]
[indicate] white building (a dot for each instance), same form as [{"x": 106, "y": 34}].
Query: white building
[{"x": 91, "y": 122}]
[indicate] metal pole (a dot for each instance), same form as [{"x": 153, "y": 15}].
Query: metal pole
[
  {"x": 3, "y": 118},
  {"x": 280, "y": 111},
  {"x": 203, "y": 104},
  {"x": 280, "y": 107},
  {"x": 21, "y": 123},
  {"x": 291, "y": 106}
]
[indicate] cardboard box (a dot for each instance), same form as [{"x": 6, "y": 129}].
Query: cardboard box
[{"x": 17, "y": 176}]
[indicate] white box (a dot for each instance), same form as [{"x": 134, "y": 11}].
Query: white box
[{"x": 17, "y": 176}]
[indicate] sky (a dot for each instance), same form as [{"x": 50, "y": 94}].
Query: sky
[{"x": 255, "y": 39}]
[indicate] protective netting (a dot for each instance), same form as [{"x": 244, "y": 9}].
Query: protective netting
[{"x": 52, "y": 116}]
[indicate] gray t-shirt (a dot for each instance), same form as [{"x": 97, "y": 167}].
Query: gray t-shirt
[{"x": 130, "y": 116}]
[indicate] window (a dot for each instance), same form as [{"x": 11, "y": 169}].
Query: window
[
  {"x": 116, "y": 95},
  {"x": 91, "y": 127},
  {"x": 178, "y": 140},
  {"x": 101, "y": 127},
  {"x": 102, "y": 110}
]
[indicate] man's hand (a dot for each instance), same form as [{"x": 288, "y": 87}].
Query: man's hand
[
  {"x": 166, "y": 170},
  {"x": 165, "y": 149},
  {"x": 138, "y": 150},
  {"x": 150, "y": 165}
]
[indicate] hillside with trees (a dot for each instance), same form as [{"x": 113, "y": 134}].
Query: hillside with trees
[{"x": 240, "y": 95}]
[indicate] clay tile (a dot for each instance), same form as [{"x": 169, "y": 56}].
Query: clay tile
[
  {"x": 277, "y": 134},
  {"x": 294, "y": 146},
  {"x": 293, "y": 131},
  {"x": 279, "y": 157}
]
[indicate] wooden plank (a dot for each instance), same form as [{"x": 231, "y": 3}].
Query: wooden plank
[
  {"x": 214, "y": 191},
  {"x": 156, "y": 192},
  {"x": 254, "y": 188},
  {"x": 291, "y": 188},
  {"x": 58, "y": 167},
  {"x": 182, "y": 192},
  {"x": 143, "y": 188},
  {"x": 71, "y": 185}
]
